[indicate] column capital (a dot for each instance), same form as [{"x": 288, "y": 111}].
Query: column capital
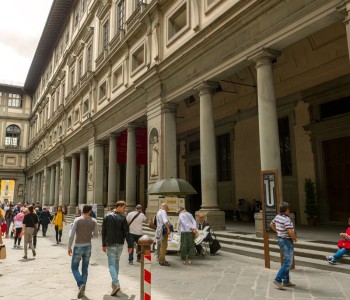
[
  {"x": 344, "y": 9},
  {"x": 83, "y": 151},
  {"x": 206, "y": 87},
  {"x": 169, "y": 107},
  {"x": 113, "y": 136},
  {"x": 131, "y": 125},
  {"x": 264, "y": 56}
]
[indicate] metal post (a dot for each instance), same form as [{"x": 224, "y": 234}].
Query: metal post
[{"x": 145, "y": 286}]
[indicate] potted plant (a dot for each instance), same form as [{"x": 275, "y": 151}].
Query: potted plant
[{"x": 311, "y": 204}]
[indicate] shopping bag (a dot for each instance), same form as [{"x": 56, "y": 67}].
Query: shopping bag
[
  {"x": 214, "y": 246},
  {"x": 2, "y": 252}
]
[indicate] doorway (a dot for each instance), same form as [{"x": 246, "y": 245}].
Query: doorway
[
  {"x": 195, "y": 201},
  {"x": 337, "y": 167}
]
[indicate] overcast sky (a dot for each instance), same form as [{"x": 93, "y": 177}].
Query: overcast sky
[{"x": 21, "y": 25}]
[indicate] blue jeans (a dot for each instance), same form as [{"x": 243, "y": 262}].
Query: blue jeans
[
  {"x": 81, "y": 253},
  {"x": 134, "y": 238},
  {"x": 113, "y": 255},
  {"x": 287, "y": 248},
  {"x": 340, "y": 253}
]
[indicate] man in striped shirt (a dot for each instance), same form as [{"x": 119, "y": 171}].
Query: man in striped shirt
[{"x": 283, "y": 225}]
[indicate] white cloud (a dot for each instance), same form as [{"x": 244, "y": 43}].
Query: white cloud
[{"x": 21, "y": 25}]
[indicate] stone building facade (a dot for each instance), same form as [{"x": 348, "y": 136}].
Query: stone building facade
[
  {"x": 15, "y": 109},
  {"x": 127, "y": 92}
]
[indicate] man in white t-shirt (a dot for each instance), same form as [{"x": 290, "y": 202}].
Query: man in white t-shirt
[{"x": 135, "y": 220}]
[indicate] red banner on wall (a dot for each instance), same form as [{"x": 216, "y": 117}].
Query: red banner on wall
[{"x": 141, "y": 146}]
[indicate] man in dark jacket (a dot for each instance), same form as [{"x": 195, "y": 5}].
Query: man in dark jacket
[{"x": 115, "y": 230}]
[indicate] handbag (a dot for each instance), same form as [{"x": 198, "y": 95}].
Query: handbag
[
  {"x": 345, "y": 243},
  {"x": 214, "y": 245},
  {"x": 2, "y": 252}
]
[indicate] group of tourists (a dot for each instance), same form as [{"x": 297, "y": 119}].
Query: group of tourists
[{"x": 24, "y": 221}]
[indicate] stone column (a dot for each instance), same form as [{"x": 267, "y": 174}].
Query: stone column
[
  {"x": 37, "y": 191},
  {"x": 66, "y": 182},
  {"x": 52, "y": 186},
  {"x": 112, "y": 171},
  {"x": 131, "y": 168},
  {"x": 73, "y": 185},
  {"x": 29, "y": 187},
  {"x": 47, "y": 186},
  {"x": 98, "y": 167},
  {"x": 270, "y": 157},
  {"x": 57, "y": 185},
  {"x": 82, "y": 178},
  {"x": 169, "y": 159},
  {"x": 215, "y": 217}
]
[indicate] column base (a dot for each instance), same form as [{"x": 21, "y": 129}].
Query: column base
[
  {"x": 215, "y": 218},
  {"x": 100, "y": 211},
  {"x": 72, "y": 210}
]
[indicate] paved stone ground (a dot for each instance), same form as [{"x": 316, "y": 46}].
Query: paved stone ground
[{"x": 224, "y": 276}]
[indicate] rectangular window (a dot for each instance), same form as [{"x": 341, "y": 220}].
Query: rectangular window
[
  {"x": 224, "y": 157},
  {"x": 14, "y": 100},
  {"x": 121, "y": 14},
  {"x": 63, "y": 91},
  {"x": 80, "y": 68},
  {"x": 105, "y": 34},
  {"x": 102, "y": 91},
  {"x": 117, "y": 79},
  {"x": 285, "y": 146},
  {"x": 72, "y": 81},
  {"x": 89, "y": 58},
  {"x": 138, "y": 58},
  {"x": 178, "y": 21}
]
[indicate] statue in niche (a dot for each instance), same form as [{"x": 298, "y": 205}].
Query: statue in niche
[
  {"x": 155, "y": 157},
  {"x": 90, "y": 174},
  {"x": 20, "y": 191}
]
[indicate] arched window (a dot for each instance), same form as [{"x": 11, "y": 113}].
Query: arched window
[{"x": 13, "y": 133}]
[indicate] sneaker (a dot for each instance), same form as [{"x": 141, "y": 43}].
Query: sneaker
[
  {"x": 14, "y": 246},
  {"x": 131, "y": 262},
  {"x": 279, "y": 285},
  {"x": 81, "y": 291},
  {"x": 34, "y": 253},
  {"x": 289, "y": 284},
  {"x": 25, "y": 256},
  {"x": 115, "y": 289}
]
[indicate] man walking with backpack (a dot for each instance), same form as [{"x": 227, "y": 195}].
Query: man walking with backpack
[
  {"x": 135, "y": 220},
  {"x": 82, "y": 227}
]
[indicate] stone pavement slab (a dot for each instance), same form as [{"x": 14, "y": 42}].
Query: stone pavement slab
[{"x": 223, "y": 276}]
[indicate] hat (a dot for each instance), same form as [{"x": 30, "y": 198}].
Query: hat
[{"x": 138, "y": 206}]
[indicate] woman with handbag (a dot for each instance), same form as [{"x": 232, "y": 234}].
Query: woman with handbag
[
  {"x": 30, "y": 223},
  {"x": 344, "y": 246}
]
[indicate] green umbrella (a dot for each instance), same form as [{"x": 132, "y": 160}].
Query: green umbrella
[{"x": 171, "y": 187}]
